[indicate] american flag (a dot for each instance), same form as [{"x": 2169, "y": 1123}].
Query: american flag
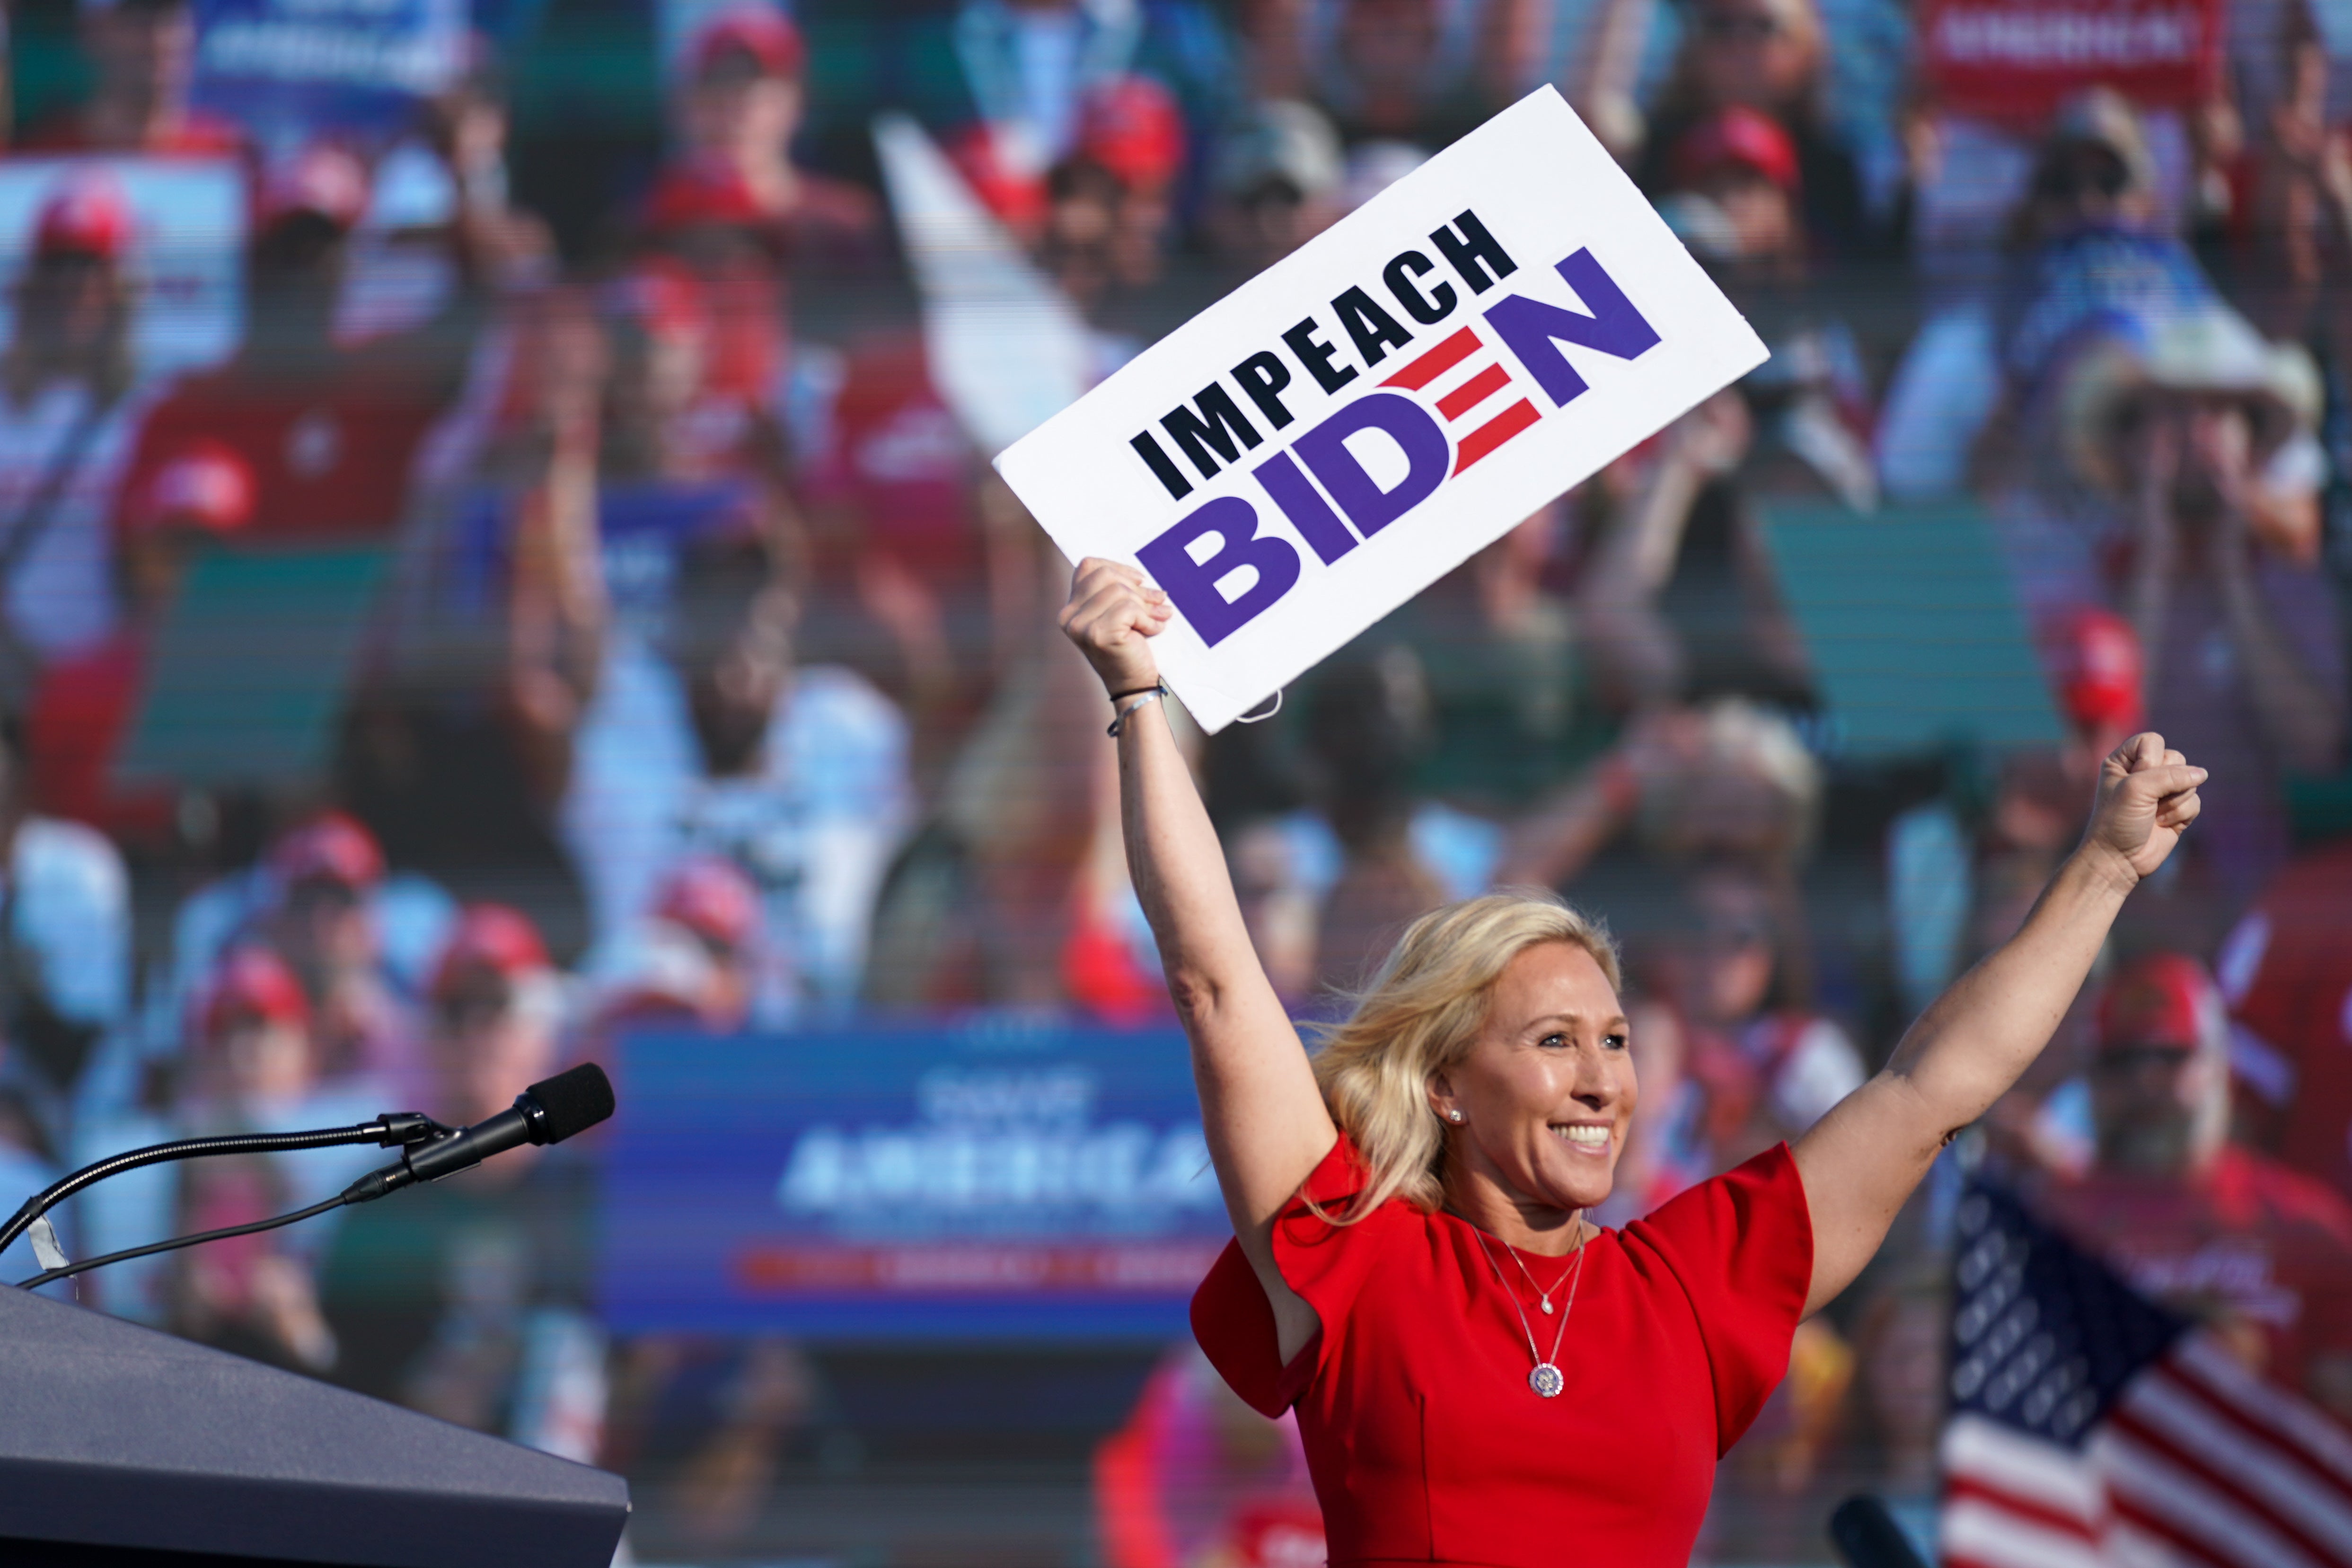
[{"x": 2092, "y": 1428}]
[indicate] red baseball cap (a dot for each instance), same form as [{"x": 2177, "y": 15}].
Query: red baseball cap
[
  {"x": 714, "y": 899},
  {"x": 2098, "y": 668},
  {"x": 762, "y": 32},
  {"x": 87, "y": 215},
  {"x": 495, "y": 938},
  {"x": 252, "y": 982},
  {"x": 333, "y": 847},
  {"x": 2164, "y": 999},
  {"x": 1132, "y": 127},
  {"x": 323, "y": 180},
  {"x": 207, "y": 486},
  {"x": 1737, "y": 137}
]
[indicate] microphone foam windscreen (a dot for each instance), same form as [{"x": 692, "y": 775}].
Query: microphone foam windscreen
[{"x": 574, "y": 1102}]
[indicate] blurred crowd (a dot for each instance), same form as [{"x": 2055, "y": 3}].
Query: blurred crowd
[{"x": 706, "y": 672}]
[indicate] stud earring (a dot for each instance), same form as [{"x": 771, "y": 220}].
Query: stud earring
[{"x": 1453, "y": 1116}]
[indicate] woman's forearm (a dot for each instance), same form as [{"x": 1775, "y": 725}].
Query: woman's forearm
[
  {"x": 1859, "y": 1163},
  {"x": 1978, "y": 1037},
  {"x": 1260, "y": 1108},
  {"x": 1179, "y": 867}
]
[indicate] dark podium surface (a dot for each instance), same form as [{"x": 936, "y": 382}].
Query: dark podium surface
[{"x": 120, "y": 1446}]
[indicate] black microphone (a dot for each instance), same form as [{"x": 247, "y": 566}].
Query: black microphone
[
  {"x": 1867, "y": 1536},
  {"x": 548, "y": 1112}
]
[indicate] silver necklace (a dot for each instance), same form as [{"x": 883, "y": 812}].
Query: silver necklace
[
  {"x": 1546, "y": 1378},
  {"x": 1543, "y": 1296}
]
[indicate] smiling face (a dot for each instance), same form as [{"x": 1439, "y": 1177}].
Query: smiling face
[{"x": 1545, "y": 1092}]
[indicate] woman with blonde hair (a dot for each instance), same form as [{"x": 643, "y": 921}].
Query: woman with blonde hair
[{"x": 1412, "y": 1265}]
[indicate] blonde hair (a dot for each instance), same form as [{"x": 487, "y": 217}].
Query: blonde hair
[{"x": 1418, "y": 1016}]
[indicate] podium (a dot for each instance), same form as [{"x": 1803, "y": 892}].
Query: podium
[{"x": 129, "y": 1449}]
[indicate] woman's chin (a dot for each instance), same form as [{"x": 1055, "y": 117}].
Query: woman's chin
[{"x": 1587, "y": 1189}]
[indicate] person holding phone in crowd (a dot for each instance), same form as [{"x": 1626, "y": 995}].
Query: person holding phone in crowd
[{"x": 1481, "y": 1376}]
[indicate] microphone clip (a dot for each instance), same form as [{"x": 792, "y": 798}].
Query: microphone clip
[{"x": 407, "y": 1129}]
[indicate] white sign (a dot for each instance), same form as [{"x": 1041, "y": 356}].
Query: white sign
[{"x": 1353, "y": 423}]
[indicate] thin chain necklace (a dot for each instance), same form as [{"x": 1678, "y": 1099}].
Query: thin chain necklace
[
  {"x": 1546, "y": 1378},
  {"x": 1543, "y": 1296}
]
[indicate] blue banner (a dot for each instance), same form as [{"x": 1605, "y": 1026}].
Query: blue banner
[
  {"x": 993, "y": 1178},
  {"x": 290, "y": 70}
]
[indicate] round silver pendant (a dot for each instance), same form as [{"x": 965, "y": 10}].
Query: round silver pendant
[{"x": 1546, "y": 1380}]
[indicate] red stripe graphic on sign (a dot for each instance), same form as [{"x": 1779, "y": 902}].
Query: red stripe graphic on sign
[
  {"x": 1436, "y": 362},
  {"x": 1473, "y": 392},
  {"x": 1510, "y": 422}
]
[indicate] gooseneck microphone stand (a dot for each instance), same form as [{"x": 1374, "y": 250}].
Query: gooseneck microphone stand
[
  {"x": 392, "y": 1129},
  {"x": 548, "y": 1111}
]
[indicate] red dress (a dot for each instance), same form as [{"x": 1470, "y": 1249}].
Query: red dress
[{"x": 1426, "y": 1442}]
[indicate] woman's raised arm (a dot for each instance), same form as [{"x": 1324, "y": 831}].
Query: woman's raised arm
[
  {"x": 1861, "y": 1162},
  {"x": 1264, "y": 1116}
]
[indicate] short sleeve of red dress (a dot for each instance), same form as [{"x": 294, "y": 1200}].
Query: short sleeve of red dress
[
  {"x": 1325, "y": 1262},
  {"x": 1741, "y": 1247}
]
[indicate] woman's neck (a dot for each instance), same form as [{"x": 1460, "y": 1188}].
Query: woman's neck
[{"x": 1484, "y": 1200}]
